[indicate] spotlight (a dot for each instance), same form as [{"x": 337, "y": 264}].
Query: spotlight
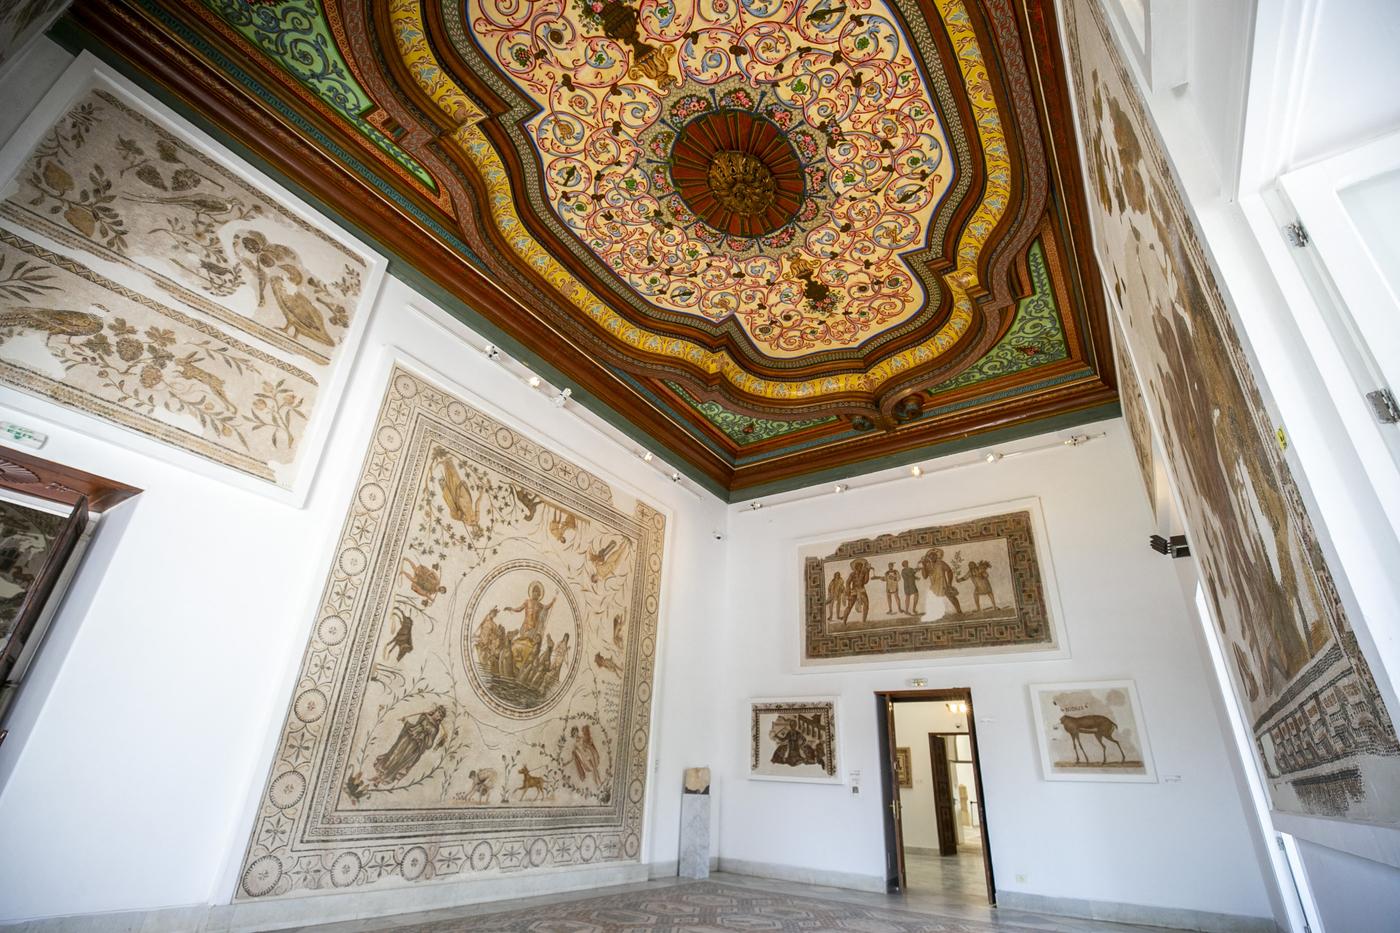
[
  {"x": 534, "y": 382},
  {"x": 916, "y": 471},
  {"x": 646, "y": 456},
  {"x": 841, "y": 487},
  {"x": 675, "y": 476},
  {"x": 1175, "y": 546},
  {"x": 492, "y": 351},
  {"x": 563, "y": 397},
  {"x": 992, "y": 456},
  {"x": 755, "y": 506}
]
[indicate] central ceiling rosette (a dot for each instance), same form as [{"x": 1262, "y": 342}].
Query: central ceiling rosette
[
  {"x": 777, "y": 236},
  {"x": 774, "y": 163}
]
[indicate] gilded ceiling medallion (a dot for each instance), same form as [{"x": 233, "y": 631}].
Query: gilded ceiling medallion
[
  {"x": 837, "y": 158},
  {"x": 735, "y": 215},
  {"x": 737, "y": 172}
]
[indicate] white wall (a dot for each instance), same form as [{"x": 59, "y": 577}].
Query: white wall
[
  {"x": 912, "y": 724},
  {"x": 145, "y": 734},
  {"x": 1182, "y": 844}
]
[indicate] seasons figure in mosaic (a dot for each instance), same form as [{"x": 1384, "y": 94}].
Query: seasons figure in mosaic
[
  {"x": 941, "y": 577},
  {"x": 835, "y": 596},
  {"x": 418, "y": 734},
  {"x": 855, "y": 589}
]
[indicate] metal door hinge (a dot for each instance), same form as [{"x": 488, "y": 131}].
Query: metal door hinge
[
  {"x": 1383, "y": 404},
  {"x": 1296, "y": 235}
]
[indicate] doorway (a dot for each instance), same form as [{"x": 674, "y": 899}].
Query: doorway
[{"x": 936, "y": 837}]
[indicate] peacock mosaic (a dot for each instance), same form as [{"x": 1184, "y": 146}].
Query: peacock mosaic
[
  {"x": 145, "y": 283},
  {"x": 476, "y": 694},
  {"x": 1323, "y": 734}
]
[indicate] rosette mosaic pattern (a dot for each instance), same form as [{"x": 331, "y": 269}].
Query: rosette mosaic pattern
[{"x": 815, "y": 213}]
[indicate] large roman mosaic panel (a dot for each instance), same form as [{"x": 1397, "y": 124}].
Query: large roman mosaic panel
[
  {"x": 1323, "y": 734},
  {"x": 146, "y": 283},
  {"x": 476, "y": 695},
  {"x": 1134, "y": 410},
  {"x": 967, "y": 587}
]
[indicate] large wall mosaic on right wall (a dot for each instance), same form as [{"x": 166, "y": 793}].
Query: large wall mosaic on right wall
[{"x": 1325, "y": 739}]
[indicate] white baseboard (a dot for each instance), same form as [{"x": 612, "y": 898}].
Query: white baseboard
[
  {"x": 1176, "y": 918},
  {"x": 672, "y": 868},
  {"x": 830, "y": 879},
  {"x": 334, "y": 906}
]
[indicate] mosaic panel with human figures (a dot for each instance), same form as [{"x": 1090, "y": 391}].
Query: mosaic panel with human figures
[
  {"x": 969, "y": 586},
  {"x": 477, "y": 690},
  {"x": 145, "y": 283},
  {"x": 1323, "y": 734}
]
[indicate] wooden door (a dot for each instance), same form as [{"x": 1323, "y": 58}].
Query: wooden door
[
  {"x": 895, "y": 877},
  {"x": 943, "y": 796}
]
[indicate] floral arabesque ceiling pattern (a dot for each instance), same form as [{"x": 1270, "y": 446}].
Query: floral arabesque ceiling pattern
[{"x": 753, "y": 230}]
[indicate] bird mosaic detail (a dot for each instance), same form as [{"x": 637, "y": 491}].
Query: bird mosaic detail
[{"x": 51, "y": 321}]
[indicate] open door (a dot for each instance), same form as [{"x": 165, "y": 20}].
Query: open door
[
  {"x": 943, "y": 795},
  {"x": 895, "y": 879}
]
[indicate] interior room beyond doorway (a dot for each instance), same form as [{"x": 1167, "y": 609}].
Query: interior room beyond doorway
[{"x": 939, "y": 805}]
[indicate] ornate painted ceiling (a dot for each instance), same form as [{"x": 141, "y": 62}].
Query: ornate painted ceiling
[{"x": 779, "y": 238}]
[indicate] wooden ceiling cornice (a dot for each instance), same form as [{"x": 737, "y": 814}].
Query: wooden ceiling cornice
[{"x": 445, "y": 233}]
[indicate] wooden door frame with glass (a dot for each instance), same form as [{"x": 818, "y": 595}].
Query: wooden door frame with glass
[{"x": 895, "y": 875}]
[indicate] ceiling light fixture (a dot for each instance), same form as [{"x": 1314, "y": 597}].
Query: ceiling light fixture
[
  {"x": 841, "y": 487},
  {"x": 492, "y": 351},
  {"x": 957, "y": 707},
  {"x": 755, "y": 506},
  {"x": 992, "y": 456},
  {"x": 534, "y": 382},
  {"x": 916, "y": 471},
  {"x": 563, "y": 397},
  {"x": 675, "y": 476},
  {"x": 646, "y": 456}
]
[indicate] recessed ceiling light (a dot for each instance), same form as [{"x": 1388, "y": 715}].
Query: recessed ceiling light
[
  {"x": 646, "y": 456},
  {"x": 916, "y": 470},
  {"x": 534, "y": 382}
]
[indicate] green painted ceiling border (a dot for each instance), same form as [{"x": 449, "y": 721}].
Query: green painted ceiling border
[
  {"x": 75, "y": 39},
  {"x": 946, "y": 448}
]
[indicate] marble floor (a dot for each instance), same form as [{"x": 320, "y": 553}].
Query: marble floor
[
  {"x": 954, "y": 879},
  {"x": 725, "y": 902}
]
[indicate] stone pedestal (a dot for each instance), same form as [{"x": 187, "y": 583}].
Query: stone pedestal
[{"x": 695, "y": 824}]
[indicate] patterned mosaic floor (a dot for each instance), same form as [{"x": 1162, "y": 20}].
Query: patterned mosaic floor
[{"x": 734, "y": 904}]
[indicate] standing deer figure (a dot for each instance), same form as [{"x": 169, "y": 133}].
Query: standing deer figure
[{"x": 1100, "y": 727}]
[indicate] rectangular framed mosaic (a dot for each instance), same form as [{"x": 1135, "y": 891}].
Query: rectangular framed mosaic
[
  {"x": 158, "y": 293},
  {"x": 1091, "y": 731},
  {"x": 795, "y": 739},
  {"x": 476, "y": 695},
  {"x": 976, "y": 581},
  {"x": 903, "y": 770}
]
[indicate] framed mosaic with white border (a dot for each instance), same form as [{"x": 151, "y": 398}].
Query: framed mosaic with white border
[
  {"x": 476, "y": 695},
  {"x": 161, "y": 294},
  {"x": 1091, "y": 731},
  {"x": 976, "y": 581},
  {"x": 795, "y": 739}
]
